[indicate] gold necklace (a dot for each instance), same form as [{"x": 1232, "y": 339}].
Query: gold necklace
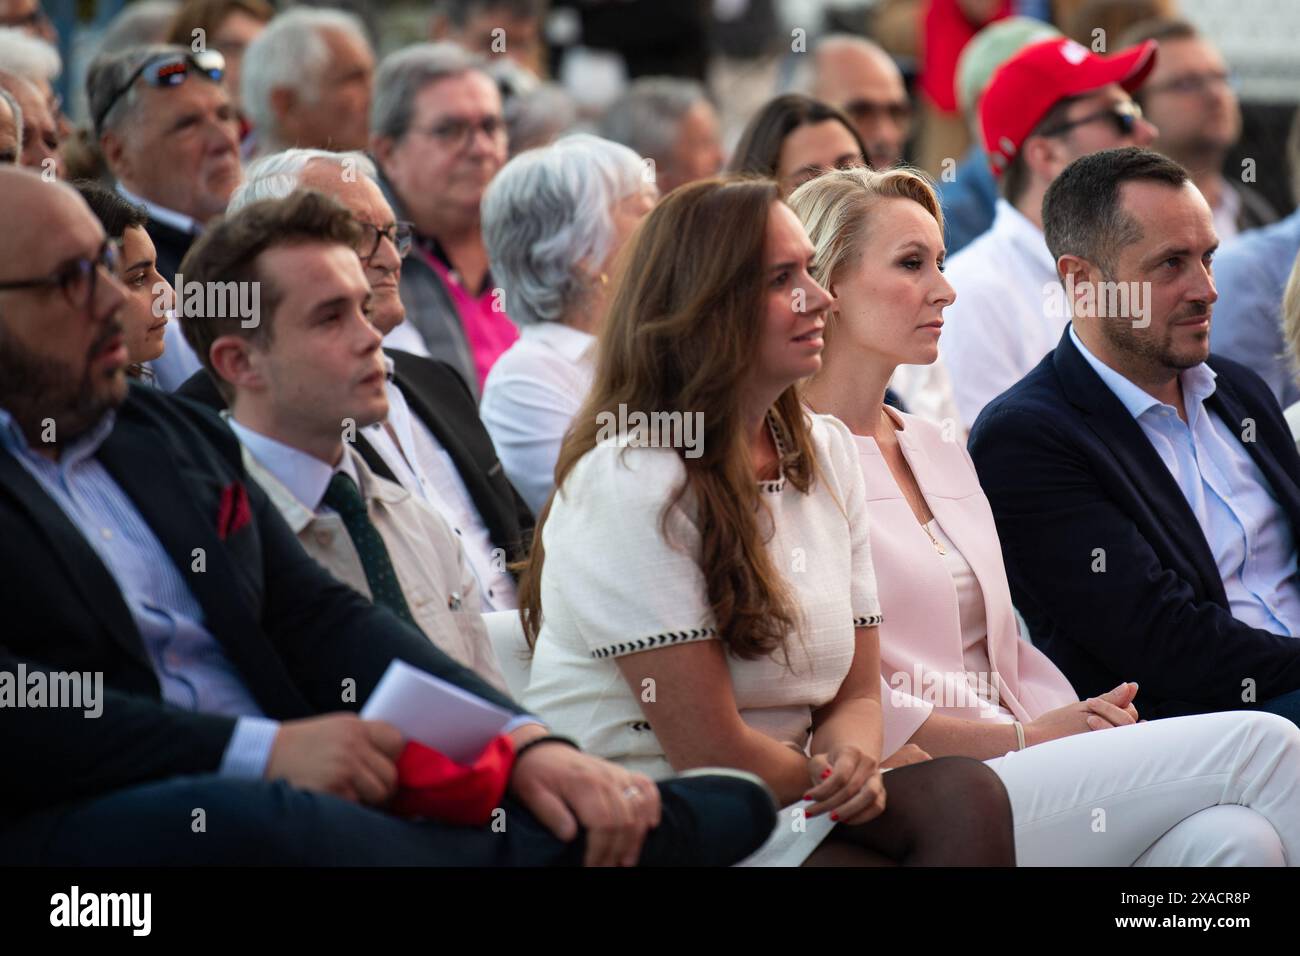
[{"x": 933, "y": 540}]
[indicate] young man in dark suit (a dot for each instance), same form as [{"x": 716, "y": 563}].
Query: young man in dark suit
[
  {"x": 1145, "y": 490},
  {"x": 135, "y": 549}
]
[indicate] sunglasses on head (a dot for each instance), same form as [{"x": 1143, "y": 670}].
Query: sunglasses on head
[
  {"x": 1124, "y": 115},
  {"x": 168, "y": 69}
]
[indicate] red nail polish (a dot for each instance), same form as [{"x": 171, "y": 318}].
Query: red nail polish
[
  {"x": 826, "y": 773},
  {"x": 835, "y": 817},
  {"x": 807, "y": 796}
]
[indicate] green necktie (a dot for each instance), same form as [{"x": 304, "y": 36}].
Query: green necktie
[{"x": 342, "y": 495}]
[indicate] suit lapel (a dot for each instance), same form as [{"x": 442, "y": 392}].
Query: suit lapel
[
  {"x": 141, "y": 465},
  {"x": 89, "y": 575}
]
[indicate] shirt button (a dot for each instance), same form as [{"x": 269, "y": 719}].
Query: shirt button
[
  {"x": 457, "y": 530},
  {"x": 491, "y": 593},
  {"x": 453, "y": 602},
  {"x": 323, "y": 538}
]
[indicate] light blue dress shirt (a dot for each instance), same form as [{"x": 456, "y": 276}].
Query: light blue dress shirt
[
  {"x": 193, "y": 670},
  {"x": 1247, "y": 532}
]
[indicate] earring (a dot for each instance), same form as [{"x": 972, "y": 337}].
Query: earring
[{"x": 604, "y": 279}]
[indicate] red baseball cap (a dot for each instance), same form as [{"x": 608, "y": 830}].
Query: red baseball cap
[{"x": 1024, "y": 88}]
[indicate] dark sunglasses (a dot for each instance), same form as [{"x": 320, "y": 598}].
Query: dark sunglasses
[
  {"x": 1124, "y": 115},
  {"x": 169, "y": 69},
  {"x": 76, "y": 279}
]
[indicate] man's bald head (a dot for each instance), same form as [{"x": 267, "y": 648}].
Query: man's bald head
[
  {"x": 62, "y": 353},
  {"x": 40, "y": 133},
  {"x": 860, "y": 78}
]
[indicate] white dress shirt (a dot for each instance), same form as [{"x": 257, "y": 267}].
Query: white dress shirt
[
  {"x": 1010, "y": 310},
  {"x": 424, "y": 468},
  {"x": 530, "y": 398},
  {"x": 1247, "y": 532}
]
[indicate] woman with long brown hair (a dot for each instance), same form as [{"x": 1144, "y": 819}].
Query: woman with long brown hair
[{"x": 700, "y": 590}]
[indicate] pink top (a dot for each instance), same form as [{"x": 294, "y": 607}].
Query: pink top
[
  {"x": 488, "y": 330},
  {"x": 921, "y": 645}
]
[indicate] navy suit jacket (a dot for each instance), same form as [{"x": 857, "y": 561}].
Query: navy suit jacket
[
  {"x": 1107, "y": 563},
  {"x": 292, "y": 631}
]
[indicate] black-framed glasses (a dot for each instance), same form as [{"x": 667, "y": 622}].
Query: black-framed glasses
[
  {"x": 168, "y": 69},
  {"x": 1124, "y": 116},
  {"x": 456, "y": 133},
  {"x": 401, "y": 234},
  {"x": 76, "y": 278}
]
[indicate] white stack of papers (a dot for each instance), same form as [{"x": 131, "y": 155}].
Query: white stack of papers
[{"x": 435, "y": 712}]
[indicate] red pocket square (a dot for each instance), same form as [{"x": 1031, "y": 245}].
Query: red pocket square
[
  {"x": 430, "y": 784},
  {"x": 233, "y": 512}
]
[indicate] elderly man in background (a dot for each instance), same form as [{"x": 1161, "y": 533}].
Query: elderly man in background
[
  {"x": 307, "y": 82},
  {"x": 11, "y": 129},
  {"x": 169, "y": 135},
  {"x": 510, "y": 28},
  {"x": 860, "y": 78},
  {"x": 432, "y": 442},
  {"x": 40, "y": 137},
  {"x": 671, "y": 122},
  {"x": 439, "y": 136}
]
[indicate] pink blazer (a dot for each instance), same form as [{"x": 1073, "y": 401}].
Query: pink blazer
[{"x": 920, "y": 637}]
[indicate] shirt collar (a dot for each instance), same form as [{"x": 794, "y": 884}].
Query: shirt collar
[
  {"x": 168, "y": 217},
  {"x": 84, "y": 446},
  {"x": 570, "y": 342},
  {"x": 1013, "y": 226},
  {"x": 1197, "y": 381},
  {"x": 303, "y": 476}
]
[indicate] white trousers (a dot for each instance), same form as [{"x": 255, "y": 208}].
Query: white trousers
[{"x": 1210, "y": 790}]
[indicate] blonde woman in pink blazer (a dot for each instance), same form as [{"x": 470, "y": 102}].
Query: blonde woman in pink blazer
[{"x": 1089, "y": 783}]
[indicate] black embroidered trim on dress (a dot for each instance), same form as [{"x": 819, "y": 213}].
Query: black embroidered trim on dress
[
  {"x": 640, "y": 725},
  {"x": 872, "y": 621},
  {"x": 658, "y": 640}
]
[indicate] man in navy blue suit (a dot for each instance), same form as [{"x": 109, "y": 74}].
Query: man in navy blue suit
[{"x": 1145, "y": 490}]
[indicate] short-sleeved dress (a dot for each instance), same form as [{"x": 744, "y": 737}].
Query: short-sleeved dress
[{"x": 614, "y": 585}]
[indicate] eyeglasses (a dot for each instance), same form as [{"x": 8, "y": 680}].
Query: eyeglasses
[
  {"x": 900, "y": 113},
  {"x": 169, "y": 69},
  {"x": 1193, "y": 83},
  {"x": 77, "y": 278},
  {"x": 401, "y": 234},
  {"x": 1124, "y": 115},
  {"x": 456, "y": 133}
]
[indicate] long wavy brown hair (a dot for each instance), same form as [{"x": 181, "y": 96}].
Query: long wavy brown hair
[{"x": 681, "y": 336}]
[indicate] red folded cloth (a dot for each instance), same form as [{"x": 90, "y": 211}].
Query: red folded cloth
[{"x": 430, "y": 784}]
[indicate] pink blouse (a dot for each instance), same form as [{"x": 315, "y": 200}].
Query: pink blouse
[{"x": 922, "y": 651}]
